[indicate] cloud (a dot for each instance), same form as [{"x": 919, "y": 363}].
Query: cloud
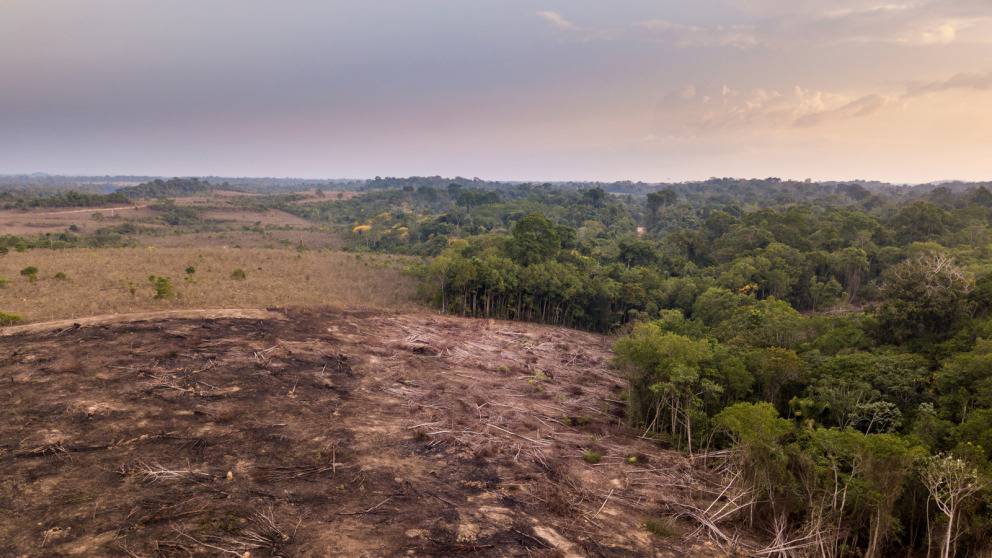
[
  {"x": 659, "y": 30},
  {"x": 582, "y": 33},
  {"x": 787, "y": 23},
  {"x": 863, "y": 106},
  {"x": 972, "y": 81},
  {"x": 559, "y": 21},
  {"x": 696, "y": 111}
]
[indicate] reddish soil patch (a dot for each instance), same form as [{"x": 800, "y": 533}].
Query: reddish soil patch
[{"x": 321, "y": 433}]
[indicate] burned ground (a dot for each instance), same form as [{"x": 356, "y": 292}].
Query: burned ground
[{"x": 324, "y": 433}]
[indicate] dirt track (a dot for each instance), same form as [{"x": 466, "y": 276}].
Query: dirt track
[{"x": 320, "y": 433}]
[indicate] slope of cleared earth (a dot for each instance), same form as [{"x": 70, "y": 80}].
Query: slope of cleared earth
[{"x": 324, "y": 433}]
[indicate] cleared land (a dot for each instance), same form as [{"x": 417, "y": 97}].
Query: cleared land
[
  {"x": 326, "y": 433},
  {"x": 99, "y": 281}
]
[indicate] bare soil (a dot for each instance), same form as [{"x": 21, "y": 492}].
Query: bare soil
[{"x": 324, "y": 432}]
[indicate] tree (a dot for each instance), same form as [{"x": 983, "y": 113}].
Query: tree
[
  {"x": 657, "y": 200},
  {"x": 31, "y": 272},
  {"x": 951, "y": 481},
  {"x": 774, "y": 369},
  {"x": 665, "y": 373},
  {"x": 926, "y": 295},
  {"x": 534, "y": 240}
]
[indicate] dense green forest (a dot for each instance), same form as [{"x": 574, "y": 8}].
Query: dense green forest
[{"x": 826, "y": 347}]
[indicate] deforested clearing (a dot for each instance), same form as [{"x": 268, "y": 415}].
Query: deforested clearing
[{"x": 329, "y": 433}]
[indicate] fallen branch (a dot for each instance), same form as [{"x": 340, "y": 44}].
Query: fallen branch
[
  {"x": 518, "y": 435},
  {"x": 370, "y": 510}
]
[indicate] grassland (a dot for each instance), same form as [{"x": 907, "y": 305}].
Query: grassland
[{"x": 99, "y": 281}]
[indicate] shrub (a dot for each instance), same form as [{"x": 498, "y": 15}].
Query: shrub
[
  {"x": 61, "y": 276},
  {"x": 238, "y": 274},
  {"x": 163, "y": 287},
  {"x": 7, "y": 319},
  {"x": 592, "y": 457},
  {"x": 31, "y": 272}
]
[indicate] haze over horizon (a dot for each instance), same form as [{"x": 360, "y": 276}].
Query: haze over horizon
[{"x": 509, "y": 90}]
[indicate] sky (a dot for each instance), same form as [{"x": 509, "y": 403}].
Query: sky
[{"x": 651, "y": 90}]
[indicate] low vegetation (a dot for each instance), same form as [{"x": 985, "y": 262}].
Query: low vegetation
[{"x": 110, "y": 281}]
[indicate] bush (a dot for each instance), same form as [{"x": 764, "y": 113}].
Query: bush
[
  {"x": 163, "y": 287},
  {"x": 592, "y": 457},
  {"x": 7, "y": 319},
  {"x": 31, "y": 272},
  {"x": 61, "y": 276},
  {"x": 238, "y": 274}
]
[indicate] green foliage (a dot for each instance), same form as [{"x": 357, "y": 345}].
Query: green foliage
[
  {"x": 31, "y": 272},
  {"x": 176, "y": 187},
  {"x": 591, "y": 457},
  {"x": 923, "y": 296},
  {"x": 7, "y": 319},
  {"x": 238, "y": 274},
  {"x": 163, "y": 287},
  {"x": 63, "y": 199},
  {"x": 61, "y": 276},
  {"x": 753, "y": 424},
  {"x": 671, "y": 379}
]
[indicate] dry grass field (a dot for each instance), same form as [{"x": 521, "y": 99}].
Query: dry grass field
[
  {"x": 98, "y": 281},
  {"x": 29, "y": 223},
  {"x": 314, "y": 238}
]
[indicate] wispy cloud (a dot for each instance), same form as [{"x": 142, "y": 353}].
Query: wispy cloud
[
  {"x": 582, "y": 33},
  {"x": 972, "y": 81},
  {"x": 696, "y": 110},
  {"x": 559, "y": 21},
  {"x": 862, "y": 106},
  {"x": 715, "y": 110},
  {"x": 783, "y": 23},
  {"x": 659, "y": 30}
]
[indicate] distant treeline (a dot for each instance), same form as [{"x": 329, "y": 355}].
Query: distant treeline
[
  {"x": 174, "y": 188},
  {"x": 14, "y": 200}
]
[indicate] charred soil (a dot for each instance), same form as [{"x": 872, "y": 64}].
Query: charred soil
[{"x": 325, "y": 433}]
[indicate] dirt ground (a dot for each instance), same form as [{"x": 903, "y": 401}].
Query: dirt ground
[{"x": 325, "y": 433}]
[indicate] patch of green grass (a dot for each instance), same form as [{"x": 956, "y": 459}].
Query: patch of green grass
[{"x": 591, "y": 457}]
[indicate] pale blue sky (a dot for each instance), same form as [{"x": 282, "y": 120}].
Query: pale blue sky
[{"x": 510, "y": 89}]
